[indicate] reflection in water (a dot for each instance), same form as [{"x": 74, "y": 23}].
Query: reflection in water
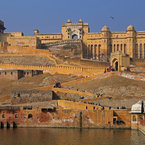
[{"x": 59, "y": 136}]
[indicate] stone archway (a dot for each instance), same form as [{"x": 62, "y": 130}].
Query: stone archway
[
  {"x": 115, "y": 64},
  {"x": 119, "y": 60},
  {"x": 75, "y": 36}
]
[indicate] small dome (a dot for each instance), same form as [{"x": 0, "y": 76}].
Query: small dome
[
  {"x": 130, "y": 28},
  {"x": 68, "y": 21},
  {"x": 80, "y": 21},
  {"x": 137, "y": 107},
  {"x": 36, "y": 31},
  {"x": 105, "y": 28}
]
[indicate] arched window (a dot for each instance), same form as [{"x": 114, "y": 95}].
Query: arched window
[
  {"x": 75, "y": 36},
  {"x": 134, "y": 118},
  {"x": 136, "y": 50}
]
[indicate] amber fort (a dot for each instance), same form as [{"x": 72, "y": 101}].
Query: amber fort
[{"x": 81, "y": 57}]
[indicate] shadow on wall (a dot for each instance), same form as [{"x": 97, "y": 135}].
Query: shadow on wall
[{"x": 55, "y": 96}]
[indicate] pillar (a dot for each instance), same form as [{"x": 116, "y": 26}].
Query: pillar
[
  {"x": 143, "y": 50},
  {"x": 93, "y": 51},
  {"x": 119, "y": 47},
  {"x": 138, "y": 50},
  {"x": 112, "y": 47},
  {"x": 143, "y": 46},
  {"x": 88, "y": 51}
]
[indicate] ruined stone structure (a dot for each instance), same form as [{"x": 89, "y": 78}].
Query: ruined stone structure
[
  {"x": 17, "y": 74},
  {"x": 30, "y": 96}
]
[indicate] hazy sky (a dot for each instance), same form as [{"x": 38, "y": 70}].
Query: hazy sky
[{"x": 48, "y": 15}]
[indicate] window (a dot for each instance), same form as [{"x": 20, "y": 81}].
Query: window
[
  {"x": 16, "y": 116},
  {"x": 3, "y": 116},
  {"x": 18, "y": 95},
  {"x": 30, "y": 116},
  {"x": 11, "y": 73}
]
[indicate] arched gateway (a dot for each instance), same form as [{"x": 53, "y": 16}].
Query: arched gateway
[{"x": 119, "y": 60}]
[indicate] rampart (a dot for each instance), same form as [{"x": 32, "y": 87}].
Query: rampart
[
  {"x": 80, "y": 71},
  {"x": 29, "y": 96}
]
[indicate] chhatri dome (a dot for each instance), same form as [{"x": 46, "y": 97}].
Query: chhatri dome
[
  {"x": 130, "y": 28},
  {"x": 68, "y": 21},
  {"x": 105, "y": 28},
  {"x": 80, "y": 21}
]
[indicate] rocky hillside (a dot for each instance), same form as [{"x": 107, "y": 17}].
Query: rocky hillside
[{"x": 119, "y": 90}]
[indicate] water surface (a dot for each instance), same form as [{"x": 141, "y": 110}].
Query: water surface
[{"x": 60, "y": 136}]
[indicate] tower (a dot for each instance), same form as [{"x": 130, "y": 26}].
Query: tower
[
  {"x": 105, "y": 48},
  {"x": 131, "y": 33}
]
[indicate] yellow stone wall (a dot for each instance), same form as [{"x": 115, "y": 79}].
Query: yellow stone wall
[
  {"x": 49, "y": 38},
  {"x": 24, "y": 41}
]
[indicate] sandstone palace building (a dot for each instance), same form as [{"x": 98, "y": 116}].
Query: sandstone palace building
[{"x": 75, "y": 40}]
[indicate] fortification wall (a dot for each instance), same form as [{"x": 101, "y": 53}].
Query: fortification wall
[
  {"x": 10, "y": 74},
  {"x": 56, "y": 69},
  {"x": 29, "y": 96}
]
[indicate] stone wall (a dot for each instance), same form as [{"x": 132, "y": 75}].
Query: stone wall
[
  {"x": 30, "y": 96},
  {"x": 17, "y": 74},
  {"x": 11, "y": 74}
]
